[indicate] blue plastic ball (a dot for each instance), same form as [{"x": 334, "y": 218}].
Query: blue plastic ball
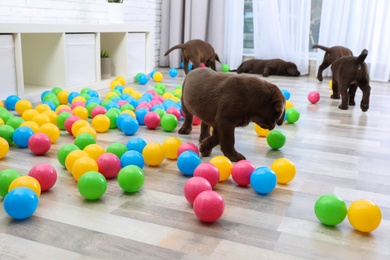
[
  {"x": 140, "y": 114},
  {"x": 10, "y": 102},
  {"x": 173, "y": 72},
  {"x": 21, "y": 135},
  {"x": 132, "y": 157},
  {"x": 263, "y": 180},
  {"x": 136, "y": 143},
  {"x": 119, "y": 120},
  {"x": 187, "y": 162},
  {"x": 286, "y": 93},
  {"x": 152, "y": 73},
  {"x": 129, "y": 125},
  {"x": 72, "y": 95},
  {"x": 143, "y": 79},
  {"x": 93, "y": 93},
  {"x": 20, "y": 203}
]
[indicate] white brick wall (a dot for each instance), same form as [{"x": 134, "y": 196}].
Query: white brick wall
[{"x": 146, "y": 12}]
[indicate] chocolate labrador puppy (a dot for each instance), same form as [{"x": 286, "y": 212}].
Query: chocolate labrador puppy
[
  {"x": 331, "y": 54},
  {"x": 196, "y": 51},
  {"x": 349, "y": 73},
  {"x": 269, "y": 67},
  {"x": 226, "y": 101}
]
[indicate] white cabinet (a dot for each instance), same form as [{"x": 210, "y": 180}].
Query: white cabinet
[{"x": 39, "y": 57}]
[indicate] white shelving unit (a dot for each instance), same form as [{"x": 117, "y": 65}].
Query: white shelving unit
[{"x": 68, "y": 56}]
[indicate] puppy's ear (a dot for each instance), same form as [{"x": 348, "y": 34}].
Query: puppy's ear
[
  {"x": 293, "y": 71},
  {"x": 279, "y": 105}
]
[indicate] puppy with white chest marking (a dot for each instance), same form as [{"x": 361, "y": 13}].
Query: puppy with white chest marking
[{"x": 226, "y": 101}]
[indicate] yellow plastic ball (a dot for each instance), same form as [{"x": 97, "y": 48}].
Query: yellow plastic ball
[
  {"x": 127, "y": 111},
  {"x": 115, "y": 83},
  {"x": 4, "y": 147},
  {"x": 128, "y": 90},
  {"x": 78, "y": 124},
  {"x": 81, "y": 112},
  {"x": 224, "y": 165},
  {"x": 83, "y": 165},
  {"x": 153, "y": 154},
  {"x": 136, "y": 94},
  {"x": 42, "y": 107},
  {"x": 63, "y": 96},
  {"x": 94, "y": 151},
  {"x": 22, "y": 105},
  {"x": 79, "y": 99},
  {"x": 364, "y": 215},
  {"x": 58, "y": 109},
  {"x": 86, "y": 129},
  {"x": 1, "y": 103},
  {"x": 111, "y": 94},
  {"x": 121, "y": 79},
  {"x": 284, "y": 169},
  {"x": 157, "y": 76},
  {"x": 34, "y": 126},
  {"x": 330, "y": 84},
  {"x": 289, "y": 104},
  {"x": 52, "y": 115},
  {"x": 72, "y": 157},
  {"x": 41, "y": 119},
  {"x": 27, "y": 182},
  {"x": 261, "y": 131},
  {"x": 168, "y": 95},
  {"x": 101, "y": 123},
  {"x": 29, "y": 114},
  {"x": 171, "y": 146},
  {"x": 175, "y": 99},
  {"x": 51, "y": 130}
]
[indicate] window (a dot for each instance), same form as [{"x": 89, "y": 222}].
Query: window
[{"x": 248, "y": 26}]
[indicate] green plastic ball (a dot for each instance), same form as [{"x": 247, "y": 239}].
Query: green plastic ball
[
  {"x": 56, "y": 90},
  {"x": 112, "y": 115},
  {"x": 169, "y": 122},
  {"x": 6, "y": 132},
  {"x": 5, "y": 114},
  {"x": 161, "y": 112},
  {"x": 15, "y": 122},
  {"x": 117, "y": 148},
  {"x": 292, "y": 115},
  {"x": 131, "y": 178},
  {"x": 84, "y": 139},
  {"x": 276, "y": 139},
  {"x": 64, "y": 151},
  {"x": 127, "y": 107},
  {"x": 6, "y": 177},
  {"x": 92, "y": 185},
  {"x": 330, "y": 209},
  {"x": 225, "y": 68},
  {"x": 61, "y": 118}
]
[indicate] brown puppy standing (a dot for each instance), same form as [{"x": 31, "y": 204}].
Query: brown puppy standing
[
  {"x": 196, "y": 51},
  {"x": 226, "y": 101},
  {"x": 269, "y": 67},
  {"x": 349, "y": 73},
  {"x": 331, "y": 54}
]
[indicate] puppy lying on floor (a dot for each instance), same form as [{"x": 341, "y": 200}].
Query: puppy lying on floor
[
  {"x": 349, "y": 73},
  {"x": 269, "y": 67},
  {"x": 331, "y": 54},
  {"x": 196, "y": 51},
  {"x": 226, "y": 101}
]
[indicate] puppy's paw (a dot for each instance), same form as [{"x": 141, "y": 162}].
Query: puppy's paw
[
  {"x": 352, "y": 102},
  {"x": 185, "y": 130},
  {"x": 204, "y": 151},
  {"x": 235, "y": 157},
  {"x": 334, "y": 96},
  {"x": 343, "y": 107},
  {"x": 320, "y": 78},
  {"x": 364, "y": 107}
]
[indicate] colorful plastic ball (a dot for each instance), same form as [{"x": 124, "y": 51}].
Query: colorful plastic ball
[
  {"x": 169, "y": 122},
  {"x": 94, "y": 151},
  {"x": 136, "y": 143},
  {"x": 39, "y": 143},
  {"x": 276, "y": 139},
  {"x": 51, "y": 130},
  {"x": 286, "y": 94},
  {"x": 224, "y": 166},
  {"x": 78, "y": 124},
  {"x": 84, "y": 139},
  {"x": 116, "y": 148},
  {"x": 174, "y": 111},
  {"x": 29, "y": 114},
  {"x": 22, "y": 105},
  {"x": 129, "y": 125},
  {"x": 292, "y": 115},
  {"x": 208, "y": 171},
  {"x": 170, "y": 146},
  {"x": 15, "y": 122},
  {"x": 86, "y": 129},
  {"x": 289, "y": 104},
  {"x": 92, "y": 185},
  {"x": 34, "y": 126},
  {"x": 81, "y": 112},
  {"x": 64, "y": 151},
  {"x": 225, "y": 68},
  {"x": 45, "y": 174},
  {"x": 196, "y": 121},
  {"x": 131, "y": 178},
  {"x": 284, "y": 169},
  {"x": 152, "y": 120},
  {"x": 153, "y": 154},
  {"x": 187, "y": 162},
  {"x": 109, "y": 165},
  {"x": 261, "y": 131},
  {"x": 187, "y": 146},
  {"x": 61, "y": 118},
  {"x": 330, "y": 209},
  {"x": 72, "y": 157},
  {"x": 101, "y": 123},
  {"x": 194, "y": 186},
  {"x": 132, "y": 157},
  {"x": 6, "y": 177},
  {"x": 98, "y": 110},
  {"x": 242, "y": 171},
  {"x": 82, "y": 165},
  {"x": 26, "y": 181},
  {"x": 209, "y": 206},
  {"x": 313, "y": 97},
  {"x": 69, "y": 123},
  {"x": 11, "y": 101},
  {"x": 173, "y": 72},
  {"x": 21, "y": 136},
  {"x": 263, "y": 180},
  {"x": 4, "y": 147},
  {"x": 20, "y": 203},
  {"x": 7, "y": 132},
  {"x": 143, "y": 79},
  {"x": 364, "y": 215},
  {"x": 158, "y": 76},
  {"x": 63, "y": 96}
]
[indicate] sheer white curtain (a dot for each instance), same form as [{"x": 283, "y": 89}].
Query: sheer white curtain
[
  {"x": 358, "y": 25},
  {"x": 219, "y": 23},
  {"x": 281, "y": 30}
]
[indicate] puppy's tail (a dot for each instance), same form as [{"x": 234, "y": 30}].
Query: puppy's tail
[
  {"x": 179, "y": 46},
  {"x": 217, "y": 58},
  {"x": 321, "y": 47},
  {"x": 362, "y": 56}
]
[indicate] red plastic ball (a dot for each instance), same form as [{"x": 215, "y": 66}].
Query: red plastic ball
[
  {"x": 174, "y": 111},
  {"x": 152, "y": 120},
  {"x": 209, "y": 206},
  {"x": 196, "y": 121},
  {"x": 241, "y": 172},
  {"x": 109, "y": 165},
  {"x": 45, "y": 174},
  {"x": 39, "y": 143},
  {"x": 98, "y": 110},
  {"x": 208, "y": 171},
  {"x": 187, "y": 146},
  {"x": 313, "y": 97},
  {"x": 194, "y": 186},
  {"x": 69, "y": 123}
]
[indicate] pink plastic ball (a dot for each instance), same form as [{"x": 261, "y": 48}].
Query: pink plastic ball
[
  {"x": 208, "y": 171},
  {"x": 39, "y": 143},
  {"x": 194, "y": 186},
  {"x": 122, "y": 102},
  {"x": 152, "y": 120},
  {"x": 144, "y": 104},
  {"x": 65, "y": 110},
  {"x": 155, "y": 102},
  {"x": 69, "y": 122},
  {"x": 187, "y": 146},
  {"x": 77, "y": 104},
  {"x": 152, "y": 91},
  {"x": 109, "y": 165},
  {"x": 313, "y": 97},
  {"x": 202, "y": 65},
  {"x": 45, "y": 174},
  {"x": 158, "y": 97},
  {"x": 241, "y": 172},
  {"x": 98, "y": 110},
  {"x": 209, "y": 206},
  {"x": 196, "y": 121},
  {"x": 174, "y": 111}
]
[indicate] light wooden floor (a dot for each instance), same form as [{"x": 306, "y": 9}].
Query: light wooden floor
[{"x": 342, "y": 152}]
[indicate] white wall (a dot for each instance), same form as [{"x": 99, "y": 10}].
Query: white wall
[{"x": 146, "y": 12}]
